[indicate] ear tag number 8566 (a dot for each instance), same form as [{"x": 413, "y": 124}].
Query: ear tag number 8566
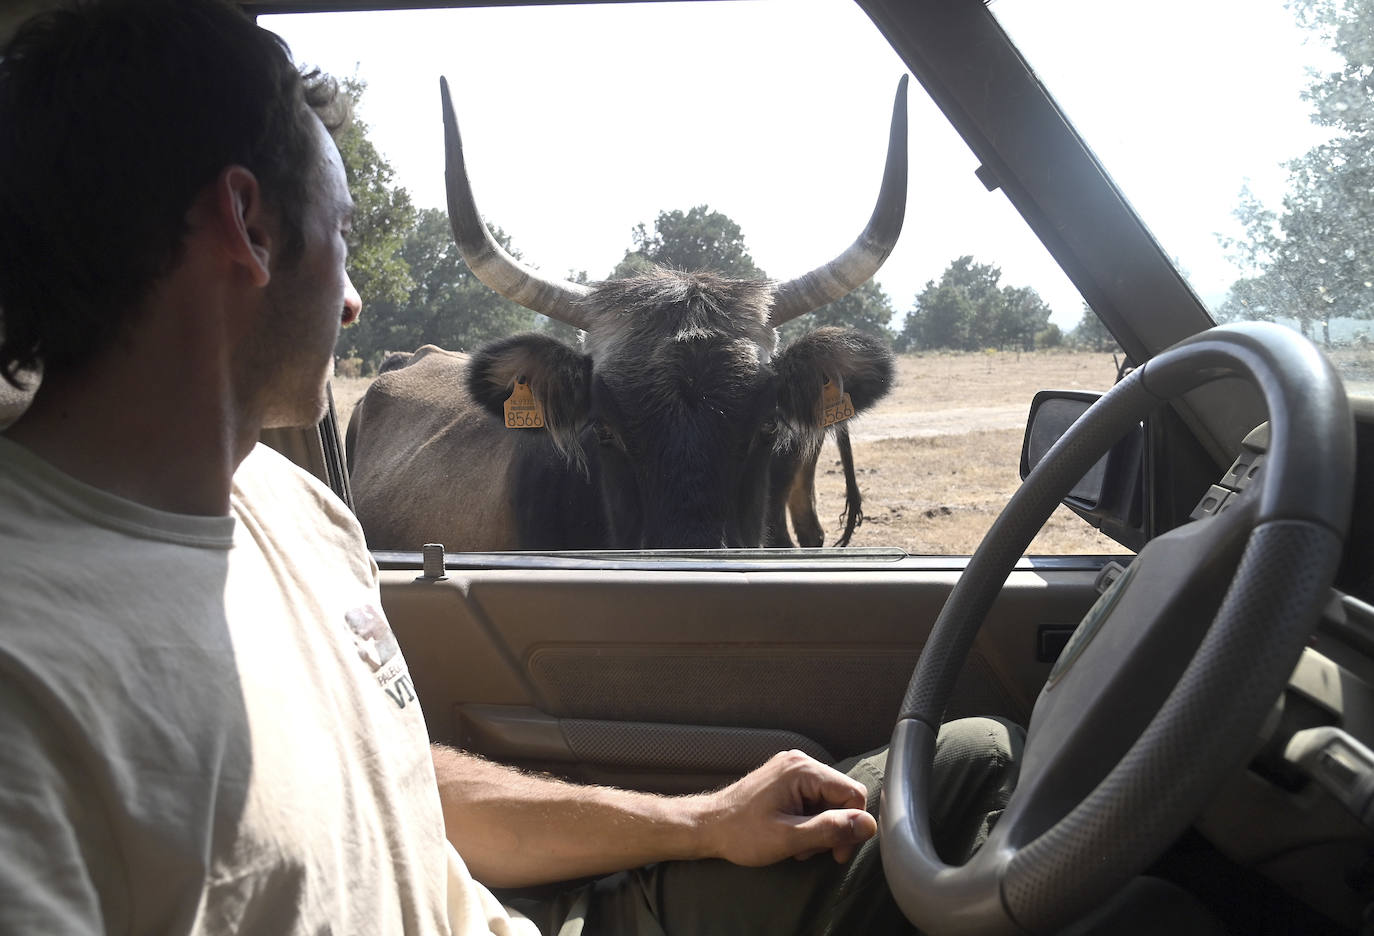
[
  {"x": 835, "y": 403},
  {"x": 522, "y": 409}
]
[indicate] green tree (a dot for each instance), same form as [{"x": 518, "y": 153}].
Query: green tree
[
  {"x": 1313, "y": 259},
  {"x": 702, "y": 239},
  {"x": 415, "y": 287},
  {"x": 965, "y": 310},
  {"x": 1257, "y": 299},
  {"x": 1091, "y": 334},
  {"x": 939, "y": 319},
  {"x": 866, "y": 309},
  {"x": 1024, "y": 316},
  {"x": 699, "y": 239},
  {"x": 447, "y": 305},
  {"x": 1051, "y": 336},
  {"x": 383, "y": 213}
]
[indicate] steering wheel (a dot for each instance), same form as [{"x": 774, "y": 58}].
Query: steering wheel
[{"x": 1165, "y": 684}]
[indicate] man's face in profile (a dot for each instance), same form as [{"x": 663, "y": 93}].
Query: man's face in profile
[{"x": 307, "y": 301}]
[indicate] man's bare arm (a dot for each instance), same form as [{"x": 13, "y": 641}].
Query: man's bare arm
[{"x": 515, "y": 829}]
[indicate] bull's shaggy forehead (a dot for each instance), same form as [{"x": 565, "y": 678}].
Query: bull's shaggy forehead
[{"x": 639, "y": 314}]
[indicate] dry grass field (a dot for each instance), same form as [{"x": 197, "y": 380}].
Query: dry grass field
[{"x": 938, "y": 458}]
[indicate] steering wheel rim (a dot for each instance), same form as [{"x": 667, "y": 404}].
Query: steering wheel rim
[{"x": 1037, "y": 874}]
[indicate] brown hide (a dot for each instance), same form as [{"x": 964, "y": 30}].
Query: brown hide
[{"x": 419, "y": 419}]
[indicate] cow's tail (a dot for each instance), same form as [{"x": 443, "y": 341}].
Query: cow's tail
[{"x": 853, "y": 516}]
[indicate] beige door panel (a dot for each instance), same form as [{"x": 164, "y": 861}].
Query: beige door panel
[
  {"x": 648, "y": 678},
  {"x": 667, "y": 758}
]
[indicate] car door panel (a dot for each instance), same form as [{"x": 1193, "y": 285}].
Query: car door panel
[
  {"x": 669, "y": 758},
  {"x": 680, "y": 680}
]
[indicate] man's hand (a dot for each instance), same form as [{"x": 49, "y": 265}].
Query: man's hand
[
  {"x": 515, "y": 829},
  {"x": 791, "y": 807}
]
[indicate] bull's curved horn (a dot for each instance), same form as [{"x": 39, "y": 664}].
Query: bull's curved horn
[
  {"x": 555, "y": 298},
  {"x": 855, "y": 266}
]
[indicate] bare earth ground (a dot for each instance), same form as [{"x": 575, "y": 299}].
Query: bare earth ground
[{"x": 938, "y": 458}]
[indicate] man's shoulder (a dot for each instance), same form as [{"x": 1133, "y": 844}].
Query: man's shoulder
[
  {"x": 268, "y": 477},
  {"x": 274, "y": 493},
  {"x": 264, "y": 461}
]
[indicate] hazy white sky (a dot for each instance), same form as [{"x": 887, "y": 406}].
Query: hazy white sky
[{"x": 581, "y": 122}]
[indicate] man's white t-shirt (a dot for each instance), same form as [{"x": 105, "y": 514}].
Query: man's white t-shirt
[{"x": 207, "y": 725}]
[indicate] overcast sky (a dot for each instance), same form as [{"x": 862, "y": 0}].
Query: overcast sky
[{"x": 581, "y": 122}]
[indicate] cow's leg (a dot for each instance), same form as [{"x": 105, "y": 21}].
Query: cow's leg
[
  {"x": 787, "y": 457},
  {"x": 801, "y": 501}
]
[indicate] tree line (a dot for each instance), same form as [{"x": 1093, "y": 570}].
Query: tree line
[
  {"x": 1312, "y": 257},
  {"x": 417, "y": 289}
]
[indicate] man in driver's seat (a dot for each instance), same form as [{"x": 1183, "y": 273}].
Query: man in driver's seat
[{"x": 193, "y": 705}]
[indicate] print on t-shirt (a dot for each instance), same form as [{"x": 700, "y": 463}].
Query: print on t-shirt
[{"x": 377, "y": 647}]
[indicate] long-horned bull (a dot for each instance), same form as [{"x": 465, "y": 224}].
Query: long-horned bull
[{"x": 678, "y": 423}]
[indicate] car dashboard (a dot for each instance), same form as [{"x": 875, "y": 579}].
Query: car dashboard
[{"x": 1301, "y": 814}]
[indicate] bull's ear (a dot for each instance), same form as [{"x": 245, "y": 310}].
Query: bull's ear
[
  {"x": 862, "y": 363},
  {"x": 559, "y": 377}
]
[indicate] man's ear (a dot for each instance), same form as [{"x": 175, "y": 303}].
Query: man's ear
[{"x": 244, "y": 221}]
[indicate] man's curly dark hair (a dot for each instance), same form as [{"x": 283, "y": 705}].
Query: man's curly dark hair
[{"x": 114, "y": 115}]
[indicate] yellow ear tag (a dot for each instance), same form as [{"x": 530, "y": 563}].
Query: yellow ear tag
[
  {"x": 835, "y": 403},
  {"x": 522, "y": 409}
]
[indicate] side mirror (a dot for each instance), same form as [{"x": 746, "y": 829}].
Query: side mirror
[{"x": 1110, "y": 495}]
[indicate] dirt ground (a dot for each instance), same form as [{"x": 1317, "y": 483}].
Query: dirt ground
[{"x": 937, "y": 459}]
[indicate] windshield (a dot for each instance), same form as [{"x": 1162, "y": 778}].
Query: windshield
[
  {"x": 1240, "y": 131},
  {"x": 745, "y": 137}
]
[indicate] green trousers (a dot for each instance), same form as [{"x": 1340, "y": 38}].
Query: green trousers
[{"x": 976, "y": 762}]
